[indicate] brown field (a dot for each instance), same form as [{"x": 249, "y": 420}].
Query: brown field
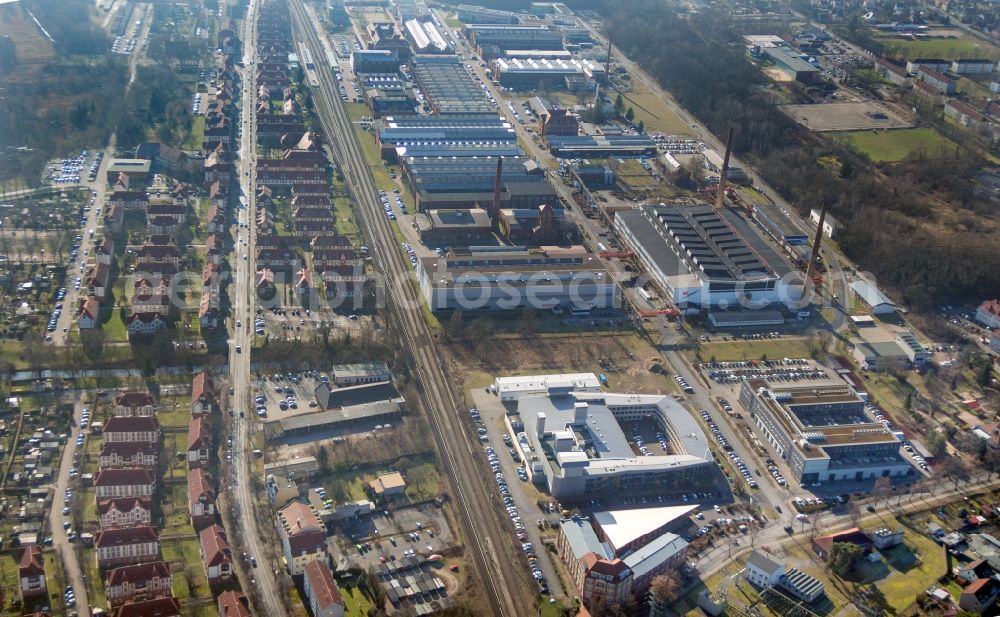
[
  {"x": 843, "y": 116},
  {"x": 32, "y": 47}
]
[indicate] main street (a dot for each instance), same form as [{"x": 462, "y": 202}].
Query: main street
[
  {"x": 490, "y": 544},
  {"x": 261, "y": 583},
  {"x": 60, "y": 542}
]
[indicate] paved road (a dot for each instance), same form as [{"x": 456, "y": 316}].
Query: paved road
[
  {"x": 260, "y": 583},
  {"x": 63, "y": 547},
  {"x": 506, "y": 588}
]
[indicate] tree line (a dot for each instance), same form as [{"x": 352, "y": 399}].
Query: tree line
[{"x": 898, "y": 223}]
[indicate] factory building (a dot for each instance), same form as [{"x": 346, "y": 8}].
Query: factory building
[
  {"x": 574, "y": 443},
  {"x": 448, "y": 86},
  {"x": 465, "y": 174},
  {"x": 443, "y": 130},
  {"x": 600, "y": 146},
  {"x": 468, "y": 226},
  {"x": 425, "y": 37},
  {"x": 823, "y": 432},
  {"x": 499, "y": 38},
  {"x": 512, "y": 195},
  {"x": 705, "y": 258},
  {"x": 543, "y": 73},
  {"x": 505, "y": 278},
  {"x": 872, "y": 297},
  {"x": 473, "y": 14},
  {"x": 374, "y": 61}
]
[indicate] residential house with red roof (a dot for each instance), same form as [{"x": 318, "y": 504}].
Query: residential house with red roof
[
  {"x": 130, "y": 429},
  {"x": 234, "y": 604},
  {"x": 145, "y": 324},
  {"x": 203, "y": 395},
  {"x": 31, "y": 572},
  {"x": 97, "y": 280},
  {"x": 124, "y": 512},
  {"x": 90, "y": 311},
  {"x": 199, "y": 441},
  {"x": 134, "y": 403},
  {"x": 979, "y": 596},
  {"x": 159, "y": 607},
  {"x": 112, "y": 483},
  {"x": 321, "y": 590},
  {"x": 128, "y": 454},
  {"x": 126, "y": 546},
  {"x": 303, "y": 536},
  {"x": 216, "y": 554},
  {"x": 201, "y": 498},
  {"x": 175, "y": 210},
  {"x": 138, "y": 582}
]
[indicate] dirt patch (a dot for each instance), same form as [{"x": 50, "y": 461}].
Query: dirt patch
[{"x": 844, "y": 116}]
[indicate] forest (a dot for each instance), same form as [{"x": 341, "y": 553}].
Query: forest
[{"x": 919, "y": 227}]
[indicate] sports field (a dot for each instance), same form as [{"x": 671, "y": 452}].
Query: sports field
[
  {"x": 949, "y": 49},
  {"x": 894, "y": 146}
]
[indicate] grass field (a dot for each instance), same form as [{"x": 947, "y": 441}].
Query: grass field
[
  {"x": 894, "y": 146},
  {"x": 356, "y": 604},
  {"x": 655, "y": 114},
  {"x": 949, "y": 49},
  {"x": 754, "y": 350},
  {"x": 31, "y": 45}
]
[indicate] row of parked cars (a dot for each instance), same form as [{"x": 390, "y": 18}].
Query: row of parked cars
[
  {"x": 683, "y": 383},
  {"x": 735, "y": 458},
  {"x": 56, "y": 310},
  {"x": 409, "y": 251}
]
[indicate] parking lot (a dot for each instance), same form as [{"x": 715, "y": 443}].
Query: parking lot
[
  {"x": 786, "y": 369},
  {"x": 391, "y": 534},
  {"x": 282, "y": 395}
]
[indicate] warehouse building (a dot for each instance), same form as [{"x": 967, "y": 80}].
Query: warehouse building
[
  {"x": 823, "y": 432},
  {"x": 879, "y": 356},
  {"x": 575, "y": 444},
  {"x": 705, "y": 258},
  {"x": 447, "y": 130},
  {"x": 464, "y": 174},
  {"x": 425, "y": 37},
  {"x": 790, "y": 63},
  {"x": 513, "y": 388},
  {"x": 387, "y": 95},
  {"x": 505, "y": 278},
  {"x": 473, "y": 14},
  {"x": 374, "y": 61},
  {"x": 513, "y": 195},
  {"x": 345, "y": 410},
  {"x": 448, "y": 86},
  {"x": 500, "y": 37},
  {"x": 872, "y": 297}
]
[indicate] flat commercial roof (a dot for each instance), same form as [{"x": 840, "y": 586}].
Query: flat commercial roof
[
  {"x": 543, "y": 383},
  {"x": 624, "y": 526},
  {"x": 789, "y": 59},
  {"x": 350, "y": 413},
  {"x": 360, "y": 369},
  {"x": 476, "y": 217},
  {"x": 870, "y": 293}
]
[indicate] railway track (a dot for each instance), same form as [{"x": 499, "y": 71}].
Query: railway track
[{"x": 502, "y": 577}]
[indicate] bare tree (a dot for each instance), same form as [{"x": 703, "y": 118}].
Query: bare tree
[
  {"x": 955, "y": 469},
  {"x": 666, "y": 587}
]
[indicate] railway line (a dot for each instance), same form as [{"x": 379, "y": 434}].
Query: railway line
[{"x": 502, "y": 577}]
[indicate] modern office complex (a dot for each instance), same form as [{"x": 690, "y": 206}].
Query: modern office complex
[
  {"x": 575, "y": 443},
  {"x": 823, "y": 432},
  {"x": 706, "y": 258}
]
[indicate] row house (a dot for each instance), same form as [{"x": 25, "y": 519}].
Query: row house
[
  {"x": 939, "y": 81},
  {"x": 272, "y": 242},
  {"x": 339, "y": 284},
  {"x": 290, "y": 163},
  {"x": 321, "y": 590},
  {"x": 129, "y": 200},
  {"x": 199, "y": 441},
  {"x": 265, "y": 284},
  {"x": 209, "y": 316},
  {"x": 329, "y": 258},
  {"x": 163, "y": 225},
  {"x": 310, "y": 200},
  {"x": 150, "y": 302},
  {"x": 114, "y": 219},
  {"x": 303, "y": 281},
  {"x": 201, "y": 498},
  {"x": 173, "y": 209},
  {"x": 317, "y": 214},
  {"x": 138, "y": 582},
  {"x": 134, "y": 403},
  {"x": 124, "y": 512},
  {"x": 128, "y": 454},
  {"x": 152, "y": 254},
  {"x": 310, "y": 190},
  {"x": 278, "y": 259},
  {"x": 272, "y": 127},
  {"x": 126, "y": 546},
  {"x": 142, "y": 325},
  {"x": 217, "y": 131},
  {"x": 88, "y": 317},
  {"x": 218, "y": 194},
  {"x": 233, "y": 604},
  {"x": 965, "y": 115},
  {"x": 104, "y": 252},
  {"x": 131, "y": 429},
  {"x": 215, "y": 249},
  {"x": 211, "y": 279},
  {"x": 97, "y": 280},
  {"x": 148, "y": 283},
  {"x": 219, "y": 166},
  {"x": 216, "y": 220},
  {"x": 31, "y": 573},
  {"x": 284, "y": 179},
  {"x": 265, "y": 222},
  {"x": 113, "y": 483},
  {"x": 203, "y": 395},
  {"x": 305, "y": 231},
  {"x": 216, "y": 554},
  {"x": 157, "y": 607}
]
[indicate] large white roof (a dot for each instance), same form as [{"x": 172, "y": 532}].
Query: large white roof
[
  {"x": 624, "y": 526},
  {"x": 542, "y": 383}
]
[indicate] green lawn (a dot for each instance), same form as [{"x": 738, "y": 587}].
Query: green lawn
[
  {"x": 894, "y": 146},
  {"x": 192, "y": 582},
  {"x": 112, "y": 324},
  {"x": 654, "y": 113},
  {"x": 356, "y": 604},
  {"x": 422, "y": 482},
  {"x": 949, "y": 49},
  {"x": 194, "y": 138}
]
